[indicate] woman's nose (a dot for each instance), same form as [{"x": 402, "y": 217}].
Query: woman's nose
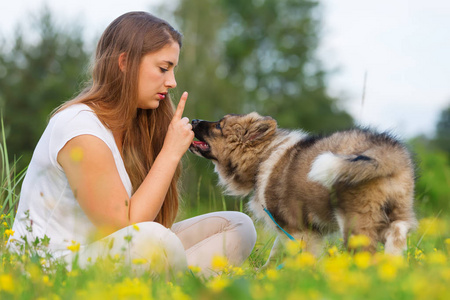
[{"x": 171, "y": 82}]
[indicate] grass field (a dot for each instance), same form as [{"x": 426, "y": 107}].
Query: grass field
[{"x": 422, "y": 273}]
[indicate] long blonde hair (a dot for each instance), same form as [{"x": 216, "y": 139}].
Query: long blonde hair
[{"x": 112, "y": 95}]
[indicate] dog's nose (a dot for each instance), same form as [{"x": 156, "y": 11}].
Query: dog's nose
[{"x": 195, "y": 122}]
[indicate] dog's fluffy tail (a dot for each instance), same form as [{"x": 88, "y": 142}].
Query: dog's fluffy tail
[{"x": 329, "y": 168}]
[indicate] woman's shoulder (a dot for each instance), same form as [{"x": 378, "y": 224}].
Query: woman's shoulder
[
  {"x": 75, "y": 110},
  {"x": 77, "y": 118}
]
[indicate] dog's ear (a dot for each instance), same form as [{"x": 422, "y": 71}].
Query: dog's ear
[{"x": 260, "y": 128}]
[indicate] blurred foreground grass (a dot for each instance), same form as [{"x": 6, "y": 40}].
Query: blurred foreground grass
[{"x": 423, "y": 273}]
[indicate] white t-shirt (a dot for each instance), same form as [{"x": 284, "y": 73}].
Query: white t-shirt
[{"x": 46, "y": 195}]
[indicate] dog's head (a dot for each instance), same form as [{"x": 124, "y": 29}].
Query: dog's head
[{"x": 235, "y": 144}]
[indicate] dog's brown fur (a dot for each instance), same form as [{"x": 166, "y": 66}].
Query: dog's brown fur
[{"x": 358, "y": 181}]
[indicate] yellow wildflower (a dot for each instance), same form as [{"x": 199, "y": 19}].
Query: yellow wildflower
[
  {"x": 357, "y": 241},
  {"x": 272, "y": 274},
  {"x": 9, "y": 232},
  {"x": 7, "y": 283},
  {"x": 294, "y": 247},
  {"x": 135, "y": 227},
  {"x": 333, "y": 251},
  {"x": 219, "y": 262},
  {"x": 139, "y": 261},
  {"x": 437, "y": 258},
  {"x": 218, "y": 284},
  {"x": 73, "y": 273},
  {"x": 363, "y": 259},
  {"x": 238, "y": 271},
  {"x": 194, "y": 269},
  {"x": 387, "y": 271},
  {"x": 335, "y": 267},
  {"x": 446, "y": 274},
  {"x": 304, "y": 260},
  {"x": 75, "y": 247},
  {"x": 431, "y": 227},
  {"x": 5, "y": 224},
  {"x": 131, "y": 289},
  {"x": 447, "y": 244},
  {"x": 46, "y": 280},
  {"x": 177, "y": 294},
  {"x": 418, "y": 254},
  {"x": 76, "y": 154}
]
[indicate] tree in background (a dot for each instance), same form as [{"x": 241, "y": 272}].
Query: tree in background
[
  {"x": 40, "y": 70},
  {"x": 240, "y": 56},
  {"x": 243, "y": 56},
  {"x": 442, "y": 138}
]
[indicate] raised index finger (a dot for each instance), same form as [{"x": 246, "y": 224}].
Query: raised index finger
[{"x": 180, "y": 108}]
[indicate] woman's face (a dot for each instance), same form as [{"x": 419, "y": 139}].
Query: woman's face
[{"x": 156, "y": 75}]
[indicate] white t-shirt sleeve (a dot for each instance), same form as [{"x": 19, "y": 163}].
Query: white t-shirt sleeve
[{"x": 73, "y": 122}]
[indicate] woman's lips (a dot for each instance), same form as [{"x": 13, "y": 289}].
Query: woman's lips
[{"x": 162, "y": 96}]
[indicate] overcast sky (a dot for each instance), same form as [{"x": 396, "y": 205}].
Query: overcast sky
[{"x": 403, "y": 46}]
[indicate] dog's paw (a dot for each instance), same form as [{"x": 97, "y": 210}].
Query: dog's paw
[{"x": 325, "y": 169}]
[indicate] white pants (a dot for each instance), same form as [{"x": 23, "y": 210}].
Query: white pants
[{"x": 195, "y": 241}]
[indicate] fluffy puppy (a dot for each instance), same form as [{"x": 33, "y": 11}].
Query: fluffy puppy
[{"x": 357, "y": 181}]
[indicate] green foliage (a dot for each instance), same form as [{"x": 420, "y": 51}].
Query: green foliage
[
  {"x": 433, "y": 183},
  {"x": 442, "y": 139},
  {"x": 42, "y": 68},
  {"x": 10, "y": 181},
  {"x": 243, "y": 56}
]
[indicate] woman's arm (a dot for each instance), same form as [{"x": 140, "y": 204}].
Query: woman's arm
[{"x": 97, "y": 186}]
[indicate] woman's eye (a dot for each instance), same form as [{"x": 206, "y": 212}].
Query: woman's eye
[{"x": 163, "y": 70}]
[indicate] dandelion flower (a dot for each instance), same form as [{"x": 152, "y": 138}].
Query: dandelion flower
[
  {"x": 135, "y": 227},
  {"x": 7, "y": 283},
  {"x": 357, "y": 241},
  {"x": 74, "y": 247},
  {"x": 304, "y": 260},
  {"x": 431, "y": 227},
  {"x": 272, "y": 274},
  {"x": 219, "y": 262},
  {"x": 437, "y": 258},
  {"x": 333, "y": 251},
  {"x": 238, "y": 271},
  {"x": 194, "y": 269},
  {"x": 139, "y": 261},
  {"x": 419, "y": 255},
  {"x": 363, "y": 259},
  {"x": 9, "y": 232},
  {"x": 294, "y": 247},
  {"x": 218, "y": 284},
  {"x": 387, "y": 271}
]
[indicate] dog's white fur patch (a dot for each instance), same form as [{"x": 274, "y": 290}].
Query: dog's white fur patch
[
  {"x": 325, "y": 169},
  {"x": 285, "y": 143},
  {"x": 396, "y": 234},
  {"x": 340, "y": 221}
]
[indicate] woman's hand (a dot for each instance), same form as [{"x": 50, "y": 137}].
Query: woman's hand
[{"x": 179, "y": 134}]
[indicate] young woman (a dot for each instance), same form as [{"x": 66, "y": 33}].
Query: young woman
[{"x": 108, "y": 163}]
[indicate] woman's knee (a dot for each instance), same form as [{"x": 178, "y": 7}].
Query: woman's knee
[
  {"x": 243, "y": 228},
  {"x": 244, "y": 223},
  {"x": 156, "y": 243},
  {"x": 148, "y": 234}
]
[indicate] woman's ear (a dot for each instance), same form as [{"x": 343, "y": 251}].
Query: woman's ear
[{"x": 122, "y": 61}]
